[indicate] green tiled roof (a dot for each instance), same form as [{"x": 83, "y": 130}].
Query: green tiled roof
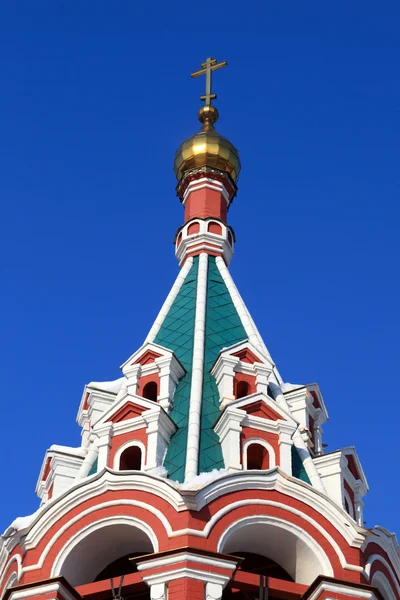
[
  {"x": 93, "y": 468},
  {"x": 298, "y": 469},
  {"x": 176, "y": 333},
  {"x": 223, "y": 328}
]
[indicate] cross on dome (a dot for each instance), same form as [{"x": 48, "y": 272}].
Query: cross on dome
[{"x": 207, "y": 68}]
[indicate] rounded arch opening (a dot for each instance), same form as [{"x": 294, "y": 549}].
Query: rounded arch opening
[
  {"x": 282, "y": 542},
  {"x": 257, "y": 457},
  {"x": 242, "y": 389},
  {"x": 98, "y": 547},
  {"x": 131, "y": 459},
  {"x": 150, "y": 391}
]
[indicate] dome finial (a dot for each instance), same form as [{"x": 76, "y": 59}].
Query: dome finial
[{"x": 208, "y": 114}]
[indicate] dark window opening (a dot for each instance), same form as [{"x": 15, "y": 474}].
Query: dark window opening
[
  {"x": 131, "y": 459},
  {"x": 150, "y": 391},
  {"x": 242, "y": 389},
  {"x": 257, "y": 457}
]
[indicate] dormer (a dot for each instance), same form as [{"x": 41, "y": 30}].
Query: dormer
[
  {"x": 256, "y": 434},
  {"x": 59, "y": 469},
  {"x": 133, "y": 434},
  {"x": 308, "y": 408},
  {"x": 97, "y": 397},
  {"x": 240, "y": 371},
  {"x": 153, "y": 372},
  {"x": 344, "y": 480}
]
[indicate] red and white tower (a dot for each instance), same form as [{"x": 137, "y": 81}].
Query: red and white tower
[{"x": 201, "y": 473}]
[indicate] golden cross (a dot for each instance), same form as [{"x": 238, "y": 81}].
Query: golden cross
[{"x": 207, "y": 68}]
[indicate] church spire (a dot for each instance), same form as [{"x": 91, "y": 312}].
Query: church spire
[{"x": 207, "y": 167}]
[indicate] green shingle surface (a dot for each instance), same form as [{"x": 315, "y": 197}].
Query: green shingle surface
[
  {"x": 176, "y": 333},
  {"x": 223, "y": 328},
  {"x": 298, "y": 469},
  {"x": 93, "y": 468}
]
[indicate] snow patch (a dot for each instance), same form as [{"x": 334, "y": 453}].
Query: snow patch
[
  {"x": 288, "y": 387},
  {"x": 68, "y": 450},
  {"x": 22, "y": 522},
  {"x": 158, "y": 472},
  {"x": 108, "y": 386},
  {"x": 203, "y": 479}
]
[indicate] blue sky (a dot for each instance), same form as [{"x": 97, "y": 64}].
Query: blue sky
[{"x": 96, "y": 97}]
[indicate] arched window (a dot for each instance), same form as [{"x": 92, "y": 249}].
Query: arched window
[
  {"x": 215, "y": 228},
  {"x": 193, "y": 228},
  {"x": 242, "y": 389},
  {"x": 131, "y": 459},
  {"x": 257, "y": 457},
  {"x": 150, "y": 391}
]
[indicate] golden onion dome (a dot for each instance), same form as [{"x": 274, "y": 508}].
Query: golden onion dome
[{"x": 207, "y": 149}]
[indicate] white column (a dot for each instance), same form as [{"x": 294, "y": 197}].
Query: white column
[{"x": 196, "y": 389}]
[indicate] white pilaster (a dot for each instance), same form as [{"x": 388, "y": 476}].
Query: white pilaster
[{"x": 196, "y": 389}]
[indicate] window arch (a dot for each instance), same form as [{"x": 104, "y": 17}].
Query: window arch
[
  {"x": 150, "y": 391},
  {"x": 193, "y": 228},
  {"x": 258, "y": 455},
  {"x": 214, "y": 227},
  {"x": 131, "y": 459},
  {"x": 242, "y": 389}
]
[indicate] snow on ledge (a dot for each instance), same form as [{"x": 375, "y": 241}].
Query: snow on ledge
[
  {"x": 108, "y": 386},
  {"x": 81, "y": 452},
  {"x": 203, "y": 479}
]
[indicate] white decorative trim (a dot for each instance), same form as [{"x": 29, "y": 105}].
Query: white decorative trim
[
  {"x": 167, "y": 561},
  {"x": 341, "y": 589},
  {"x": 180, "y": 501},
  {"x": 378, "y": 558},
  {"x": 260, "y": 442},
  {"x": 185, "y": 572},
  {"x": 196, "y": 389},
  {"x": 205, "y": 182},
  {"x": 129, "y": 444},
  {"x": 380, "y": 581},
  {"x": 129, "y": 521},
  {"x": 103, "y": 523},
  {"x": 41, "y": 590},
  {"x": 169, "y": 301},
  {"x": 324, "y": 564},
  {"x": 11, "y": 581},
  {"x": 17, "y": 558},
  {"x": 204, "y": 241}
]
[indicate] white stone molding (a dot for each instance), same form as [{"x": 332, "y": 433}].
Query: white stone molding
[
  {"x": 108, "y": 480},
  {"x": 266, "y": 445},
  {"x": 380, "y": 581},
  {"x": 302, "y": 405},
  {"x": 158, "y": 591},
  {"x": 228, "y": 428},
  {"x": 169, "y": 301},
  {"x": 196, "y": 388},
  {"x": 11, "y": 581},
  {"x": 160, "y": 429},
  {"x": 104, "y": 433},
  {"x": 130, "y": 444},
  {"x": 378, "y": 558},
  {"x": 235, "y": 418},
  {"x": 64, "y": 464},
  {"x": 204, "y": 240},
  {"x": 5, "y": 565},
  {"x": 57, "y": 588},
  {"x": 206, "y": 182},
  {"x": 334, "y": 470},
  {"x": 227, "y": 365},
  {"x": 214, "y": 591},
  {"x": 166, "y": 366},
  {"x": 299, "y": 555},
  {"x": 325, "y": 589},
  {"x": 111, "y": 522}
]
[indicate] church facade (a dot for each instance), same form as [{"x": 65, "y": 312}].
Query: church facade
[{"x": 201, "y": 473}]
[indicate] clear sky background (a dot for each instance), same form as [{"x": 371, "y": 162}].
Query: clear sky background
[{"x": 95, "y": 98}]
